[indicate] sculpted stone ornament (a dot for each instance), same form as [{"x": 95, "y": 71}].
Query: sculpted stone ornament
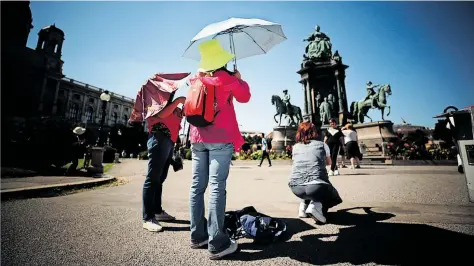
[
  {"x": 371, "y": 92},
  {"x": 336, "y": 57},
  {"x": 373, "y": 100},
  {"x": 332, "y": 104},
  {"x": 325, "y": 111},
  {"x": 286, "y": 101},
  {"x": 319, "y": 46},
  {"x": 284, "y": 107},
  {"x": 318, "y": 99}
]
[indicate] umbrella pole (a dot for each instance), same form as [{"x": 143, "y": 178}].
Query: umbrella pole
[{"x": 232, "y": 50}]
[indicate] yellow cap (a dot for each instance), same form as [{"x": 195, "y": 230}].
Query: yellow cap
[{"x": 213, "y": 56}]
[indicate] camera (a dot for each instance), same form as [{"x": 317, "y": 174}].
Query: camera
[{"x": 177, "y": 162}]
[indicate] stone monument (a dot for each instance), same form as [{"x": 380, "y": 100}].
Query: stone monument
[
  {"x": 373, "y": 135},
  {"x": 284, "y": 135},
  {"x": 322, "y": 75}
]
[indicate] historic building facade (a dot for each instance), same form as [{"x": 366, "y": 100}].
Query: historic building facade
[{"x": 33, "y": 83}]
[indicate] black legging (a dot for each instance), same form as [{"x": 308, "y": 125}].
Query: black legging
[
  {"x": 265, "y": 154},
  {"x": 334, "y": 148}
]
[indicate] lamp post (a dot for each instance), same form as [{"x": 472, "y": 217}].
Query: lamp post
[
  {"x": 104, "y": 97},
  {"x": 98, "y": 150}
]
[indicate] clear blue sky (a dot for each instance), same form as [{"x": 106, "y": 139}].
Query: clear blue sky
[{"x": 424, "y": 50}]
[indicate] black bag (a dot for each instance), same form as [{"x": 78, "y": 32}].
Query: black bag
[
  {"x": 177, "y": 162},
  {"x": 269, "y": 144},
  {"x": 249, "y": 223}
]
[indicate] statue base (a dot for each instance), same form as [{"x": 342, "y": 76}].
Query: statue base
[
  {"x": 372, "y": 137},
  {"x": 282, "y": 137}
]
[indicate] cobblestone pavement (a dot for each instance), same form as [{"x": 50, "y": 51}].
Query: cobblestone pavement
[{"x": 390, "y": 216}]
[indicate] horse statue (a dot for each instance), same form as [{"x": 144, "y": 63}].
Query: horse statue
[
  {"x": 360, "y": 109},
  {"x": 282, "y": 110}
]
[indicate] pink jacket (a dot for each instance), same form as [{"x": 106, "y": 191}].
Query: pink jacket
[{"x": 225, "y": 128}]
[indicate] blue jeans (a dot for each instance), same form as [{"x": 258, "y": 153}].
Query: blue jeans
[
  {"x": 211, "y": 162},
  {"x": 160, "y": 150}
]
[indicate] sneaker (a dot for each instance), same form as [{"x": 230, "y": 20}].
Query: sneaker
[
  {"x": 269, "y": 165},
  {"x": 231, "y": 249},
  {"x": 330, "y": 173},
  {"x": 199, "y": 245},
  {"x": 302, "y": 210},
  {"x": 164, "y": 216},
  {"x": 336, "y": 172},
  {"x": 358, "y": 166},
  {"x": 152, "y": 226},
  {"x": 315, "y": 210},
  {"x": 352, "y": 167},
  {"x": 259, "y": 165}
]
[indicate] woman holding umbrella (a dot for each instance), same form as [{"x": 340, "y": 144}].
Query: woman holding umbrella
[{"x": 212, "y": 149}]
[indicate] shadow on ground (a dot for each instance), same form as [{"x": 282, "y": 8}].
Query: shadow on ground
[{"x": 366, "y": 240}]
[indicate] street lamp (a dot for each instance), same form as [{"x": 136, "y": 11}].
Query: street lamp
[
  {"x": 98, "y": 150},
  {"x": 104, "y": 97}
]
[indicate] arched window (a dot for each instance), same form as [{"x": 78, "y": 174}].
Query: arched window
[
  {"x": 115, "y": 117},
  {"x": 89, "y": 114},
  {"x": 73, "y": 111},
  {"x": 125, "y": 119}
]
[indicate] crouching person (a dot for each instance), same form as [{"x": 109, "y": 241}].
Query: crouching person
[
  {"x": 309, "y": 178},
  {"x": 163, "y": 117}
]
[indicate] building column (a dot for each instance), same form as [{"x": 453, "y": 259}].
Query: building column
[
  {"x": 313, "y": 103},
  {"x": 308, "y": 96},
  {"x": 306, "y": 101},
  {"x": 68, "y": 103},
  {"x": 55, "y": 101},
  {"x": 343, "y": 90},
  {"x": 109, "y": 115},
  {"x": 98, "y": 110},
  {"x": 339, "y": 93},
  {"x": 83, "y": 112},
  {"x": 121, "y": 113},
  {"x": 43, "y": 87}
]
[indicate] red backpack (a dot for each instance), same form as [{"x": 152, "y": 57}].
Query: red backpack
[{"x": 200, "y": 104}]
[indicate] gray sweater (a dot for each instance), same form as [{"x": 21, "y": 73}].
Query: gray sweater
[{"x": 309, "y": 164}]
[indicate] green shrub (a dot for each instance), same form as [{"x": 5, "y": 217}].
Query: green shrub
[
  {"x": 256, "y": 155},
  {"x": 188, "y": 154},
  {"x": 143, "y": 155}
]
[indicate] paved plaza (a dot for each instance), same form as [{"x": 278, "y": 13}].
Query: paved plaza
[{"x": 390, "y": 216}]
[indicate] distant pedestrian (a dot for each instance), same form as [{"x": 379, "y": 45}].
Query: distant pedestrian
[
  {"x": 265, "y": 153},
  {"x": 335, "y": 140},
  {"x": 79, "y": 148},
  {"x": 352, "y": 146}
]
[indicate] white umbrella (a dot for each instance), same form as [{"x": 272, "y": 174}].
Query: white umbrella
[{"x": 240, "y": 36}]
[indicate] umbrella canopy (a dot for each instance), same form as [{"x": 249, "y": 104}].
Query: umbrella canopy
[{"x": 242, "y": 37}]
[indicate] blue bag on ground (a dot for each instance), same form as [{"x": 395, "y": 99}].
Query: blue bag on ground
[{"x": 249, "y": 223}]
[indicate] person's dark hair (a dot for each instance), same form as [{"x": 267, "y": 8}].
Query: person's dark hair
[
  {"x": 332, "y": 120},
  {"x": 224, "y": 68},
  {"x": 306, "y": 132},
  {"x": 263, "y": 135}
]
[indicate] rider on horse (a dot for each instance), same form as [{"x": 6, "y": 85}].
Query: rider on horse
[
  {"x": 371, "y": 93},
  {"x": 286, "y": 101}
]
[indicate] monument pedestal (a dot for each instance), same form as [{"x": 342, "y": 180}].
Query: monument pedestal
[
  {"x": 324, "y": 80},
  {"x": 282, "y": 137},
  {"x": 97, "y": 158},
  {"x": 373, "y": 135}
]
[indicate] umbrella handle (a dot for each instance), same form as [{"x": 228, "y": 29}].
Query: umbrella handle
[{"x": 232, "y": 49}]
